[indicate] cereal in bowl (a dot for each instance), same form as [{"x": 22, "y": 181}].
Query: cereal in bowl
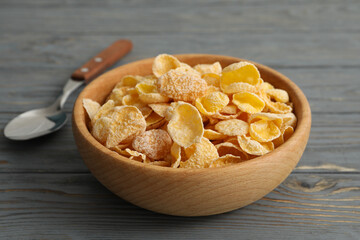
[{"x": 193, "y": 117}]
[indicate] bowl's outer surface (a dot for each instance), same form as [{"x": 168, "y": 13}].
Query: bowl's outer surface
[{"x": 190, "y": 192}]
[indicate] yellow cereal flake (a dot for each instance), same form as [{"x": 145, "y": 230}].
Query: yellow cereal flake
[
  {"x": 131, "y": 154},
  {"x": 248, "y": 102},
  {"x": 231, "y": 148},
  {"x": 266, "y": 86},
  {"x": 232, "y": 127},
  {"x": 132, "y": 98},
  {"x": 225, "y": 160},
  {"x": 278, "y": 107},
  {"x": 289, "y": 119},
  {"x": 185, "y": 126},
  {"x": 101, "y": 129},
  {"x": 211, "y": 89},
  {"x": 129, "y": 81},
  {"x": 154, "y": 121},
  {"x": 159, "y": 108},
  {"x": 164, "y": 63},
  {"x": 229, "y": 110},
  {"x": 274, "y": 107},
  {"x": 91, "y": 107},
  {"x": 239, "y": 72},
  {"x": 254, "y": 147},
  {"x": 176, "y": 155},
  {"x": 181, "y": 86},
  {"x": 154, "y": 143},
  {"x": 188, "y": 69},
  {"x": 286, "y": 133},
  {"x": 213, "y": 135},
  {"x": 239, "y": 87},
  {"x": 278, "y": 95},
  {"x": 214, "y": 68},
  {"x": 264, "y": 131},
  {"x": 276, "y": 118},
  {"x": 103, "y": 111},
  {"x": 212, "y": 79},
  {"x": 146, "y": 111},
  {"x": 117, "y": 95},
  {"x": 201, "y": 155},
  {"x": 212, "y": 103},
  {"x": 148, "y": 93},
  {"x": 127, "y": 123}
]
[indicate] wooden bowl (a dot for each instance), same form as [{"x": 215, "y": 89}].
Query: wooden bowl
[{"x": 190, "y": 192}]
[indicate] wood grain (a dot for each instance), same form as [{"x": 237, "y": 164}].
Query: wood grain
[
  {"x": 315, "y": 43},
  {"x": 284, "y": 49},
  {"x": 76, "y": 206},
  {"x": 148, "y": 17}
]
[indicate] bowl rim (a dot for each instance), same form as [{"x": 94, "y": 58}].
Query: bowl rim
[{"x": 303, "y": 125}]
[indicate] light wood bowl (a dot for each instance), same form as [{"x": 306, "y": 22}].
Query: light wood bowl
[{"x": 190, "y": 192}]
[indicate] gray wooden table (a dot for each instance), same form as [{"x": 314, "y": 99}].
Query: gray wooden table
[{"x": 46, "y": 192}]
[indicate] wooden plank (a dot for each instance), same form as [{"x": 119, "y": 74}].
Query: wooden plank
[
  {"x": 154, "y": 3},
  {"x": 287, "y": 49},
  {"x": 184, "y": 16},
  {"x": 73, "y": 206}
]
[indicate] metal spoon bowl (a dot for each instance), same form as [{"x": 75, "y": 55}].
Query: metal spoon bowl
[{"x": 42, "y": 121}]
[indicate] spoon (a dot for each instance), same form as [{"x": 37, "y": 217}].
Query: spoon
[{"x": 43, "y": 121}]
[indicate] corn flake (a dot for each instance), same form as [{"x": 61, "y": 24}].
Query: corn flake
[
  {"x": 91, "y": 107},
  {"x": 278, "y": 94},
  {"x": 213, "y": 135},
  {"x": 229, "y": 110},
  {"x": 129, "y": 81},
  {"x": 131, "y": 154},
  {"x": 101, "y": 129},
  {"x": 212, "y": 103},
  {"x": 103, "y": 111},
  {"x": 253, "y": 147},
  {"x": 154, "y": 143},
  {"x": 159, "y": 108},
  {"x": 248, "y": 102},
  {"x": 154, "y": 121},
  {"x": 214, "y": 68},
  {"x": 239, "y": 87},
  {"x": 185, "y": 126},
  {"x": 148, "y": 93},
  {"x": 225, "y": 160},
  {"x": 188, "y": 69},
  {"x": 117, "y": 95},
  {"x": 164, "y": 63},
  {"x": 181, "y": 86},
  {"x": 176, "y": 155},
  {"x": 264, "y": 131},
  {"x": 200, "y": 155},
  {"x": 244, "y": 72},
  {"x": 276, "y": 118},
  {"x": 212, "y": 79},
  {"x": 232, "y": 127},
  {"x": 230, "y": 148},
  {"x": 127, "y": 123}
]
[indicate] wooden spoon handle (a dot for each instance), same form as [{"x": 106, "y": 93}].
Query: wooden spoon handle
[{"x": 102, "y": 61}]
